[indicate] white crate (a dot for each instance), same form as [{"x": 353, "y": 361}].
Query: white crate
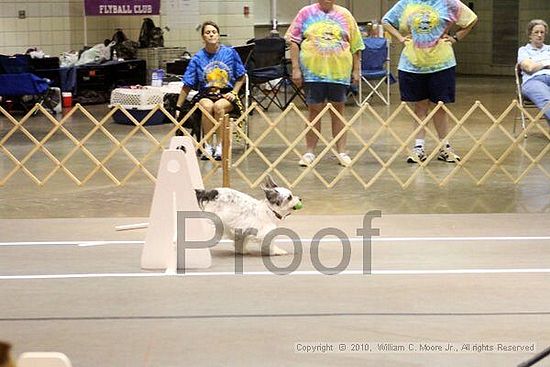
[
  {"x": 140, "y": 98},
  {"x": 140, "y": 101}
]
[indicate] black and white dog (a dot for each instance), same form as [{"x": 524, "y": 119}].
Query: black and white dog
[{"x": 241, "y": 211}]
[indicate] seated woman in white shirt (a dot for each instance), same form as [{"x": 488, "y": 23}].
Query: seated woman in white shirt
[{"x": 534, "y": 60}]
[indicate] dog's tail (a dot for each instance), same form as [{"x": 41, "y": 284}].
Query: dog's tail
[{"x": 205, "y": 196}]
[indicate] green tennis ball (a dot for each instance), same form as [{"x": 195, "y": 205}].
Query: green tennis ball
[{"x": 298, "y": 206}]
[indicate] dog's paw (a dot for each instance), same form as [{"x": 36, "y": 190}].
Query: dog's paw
[
  {"x": 243, "y": 251},
  {"x": 266, "y": 251},
  {"x": 276, "y": 251}
]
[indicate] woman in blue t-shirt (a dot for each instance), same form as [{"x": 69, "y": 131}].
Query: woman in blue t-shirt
[{"x": 217, "y": 73}]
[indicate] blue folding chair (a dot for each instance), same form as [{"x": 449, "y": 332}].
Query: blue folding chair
[
  {"x": 19, "y": 83},
  {"x": 375, "y": 70}
]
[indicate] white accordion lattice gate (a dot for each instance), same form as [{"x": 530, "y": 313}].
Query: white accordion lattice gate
[
  {"x": 480, "y": 142},
  {"x": 378, "y": 144}
]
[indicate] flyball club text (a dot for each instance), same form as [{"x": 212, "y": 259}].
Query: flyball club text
[{"x": 125, "y": 9}]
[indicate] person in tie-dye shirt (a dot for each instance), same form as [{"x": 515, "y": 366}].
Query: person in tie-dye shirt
[
  {"x": 325, "y": 47},
  {"x": 427, "y": 64}
]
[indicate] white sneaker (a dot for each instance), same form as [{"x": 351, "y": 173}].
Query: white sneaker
[
  {"x": 208, "y": 152},
  {"x": 218, "y": 152},
  {"x": 447, "y": 154},
  {"x": 417, "y": 155},
  {"x": 307, "y": 159},
  {"x": 344, "y": 159}
]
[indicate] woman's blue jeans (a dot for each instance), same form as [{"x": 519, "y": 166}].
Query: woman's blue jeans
[{"x": 537, "y": 89}]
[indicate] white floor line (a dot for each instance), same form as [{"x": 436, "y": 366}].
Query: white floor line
[
  {"x": 286, "y": 240},
  {"x": 267, "y": 273},
  {"x": 71, "y": 243},
  {"x": 475, "y": 238}
]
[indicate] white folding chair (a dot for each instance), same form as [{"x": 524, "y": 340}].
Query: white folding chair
[
  {"x": 245, "y": 53},
  {"x": 523, "y": 101},
  {"x": 43, "y": 359}
]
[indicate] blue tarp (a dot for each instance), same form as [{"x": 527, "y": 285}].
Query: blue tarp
[{"x": 14, "y": 85}]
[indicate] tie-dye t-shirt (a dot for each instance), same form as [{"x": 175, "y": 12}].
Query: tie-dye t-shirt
[
  {"x": 219, "y": 70},
  {"x": 427, "y": 21},
  {"x": 327, "y": 42}
]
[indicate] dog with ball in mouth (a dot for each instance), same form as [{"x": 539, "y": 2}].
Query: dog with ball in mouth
[{"x": 242, "y": 214}]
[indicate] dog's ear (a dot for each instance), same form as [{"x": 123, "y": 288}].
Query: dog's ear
[
  {"x": 269, "y": 183},
  {"x": 272, "y": 196}
]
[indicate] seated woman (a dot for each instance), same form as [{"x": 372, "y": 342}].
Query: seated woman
[
  {"x": 217, "y": 73},
  {"x": 534, "y": 60}
]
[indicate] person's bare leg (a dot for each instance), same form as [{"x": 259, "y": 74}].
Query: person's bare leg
[
  {"x": 418, "y": 155},
  {"x": 441, "y": 123},
  {"x": 421, "y": 109},
  {"x": 311, "y": 137},
  {"x": 221, "y": 107},
  {"x": 206, "y": 123},
  {"x": 337, "y": 126}
]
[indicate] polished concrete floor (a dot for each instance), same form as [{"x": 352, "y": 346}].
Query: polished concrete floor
[
  {"x": 100, "y": 197},
  {"x": 471, "y": 280},
  {"x": 464, "y": 264}
]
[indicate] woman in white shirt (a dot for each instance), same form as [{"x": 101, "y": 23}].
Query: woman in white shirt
[{"x": 534, "y": 60}]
